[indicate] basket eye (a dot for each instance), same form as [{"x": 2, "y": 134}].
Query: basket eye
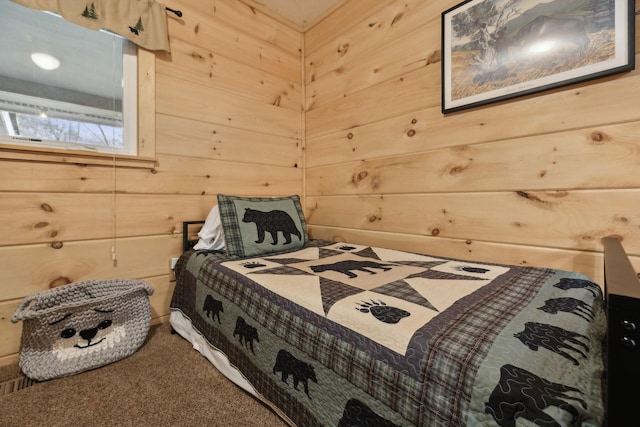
[
  {"x": 104, "y": 324},
  {"x": 68, "y": 333}
]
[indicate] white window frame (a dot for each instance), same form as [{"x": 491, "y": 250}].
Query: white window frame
[{"x": 139, "y": 128}]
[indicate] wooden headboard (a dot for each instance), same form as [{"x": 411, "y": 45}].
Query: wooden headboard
[{"x": 622, "y": 297}]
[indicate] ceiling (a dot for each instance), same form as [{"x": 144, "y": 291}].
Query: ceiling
[{"x": 303, "y": 13}]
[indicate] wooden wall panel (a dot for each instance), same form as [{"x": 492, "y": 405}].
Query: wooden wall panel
[
  {"x": 526, "y": 163},
  {"x": 66, "y": 217},
  {"x": 233, "y": 41},
  {"x": 402, "y": 56},
  {"x": 536, "y": 180},
  {"x": 393, "y": 98},
  {"x": 228, "y": 119},
  {"x": 561, "y": 219},
  {"x": 202, "y": 66},
  {"x": 190, "y": 138},
  {"x": 340, "y": 21},
  {"x": 185, "y": 99},
  {"x": 173, "y": 175},
  {"x": 249, "y": 19},
  {"x": 11, "y": 333},
  {"x": 416, "y": 132},
  {"x": 186, "y": 175},
  {"x": 368, "y": 33},
  {"x": 83, "y": 260}
]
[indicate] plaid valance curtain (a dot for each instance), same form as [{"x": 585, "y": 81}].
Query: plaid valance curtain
[{"x": 144, "y": 22}]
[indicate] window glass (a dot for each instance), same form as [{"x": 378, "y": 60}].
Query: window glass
[{"x": 65, "y": 86}]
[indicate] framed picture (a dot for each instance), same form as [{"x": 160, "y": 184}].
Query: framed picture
[{"x": 494, "y": 50}]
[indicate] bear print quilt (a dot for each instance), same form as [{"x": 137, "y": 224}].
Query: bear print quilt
[{"x": 340, "y": 334}]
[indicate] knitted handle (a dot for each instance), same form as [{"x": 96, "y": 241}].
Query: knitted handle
[{"x": 24, "y": 310}]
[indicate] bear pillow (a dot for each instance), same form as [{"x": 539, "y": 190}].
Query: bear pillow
[{"x": 256, "y": 226}]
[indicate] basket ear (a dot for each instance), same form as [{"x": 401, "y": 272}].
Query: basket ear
[
  {"x": 148, "y": 289},
  {"x": 23, "y": 310}
]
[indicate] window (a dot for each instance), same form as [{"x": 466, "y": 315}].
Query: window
[{"x": 65, "y": 87}]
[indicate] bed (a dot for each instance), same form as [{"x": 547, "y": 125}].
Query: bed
[{"x": 343, "y": 334}]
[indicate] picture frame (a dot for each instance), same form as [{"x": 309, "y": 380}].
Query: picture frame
[{"x": 494, "y": 50}]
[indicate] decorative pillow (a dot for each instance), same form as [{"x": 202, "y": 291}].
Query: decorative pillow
[
  {"x": 256, "y": 226},
  {"x": 211, "y": 235}
]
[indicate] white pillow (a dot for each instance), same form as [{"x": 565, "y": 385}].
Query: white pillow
[{"x": 211, "y": 236}]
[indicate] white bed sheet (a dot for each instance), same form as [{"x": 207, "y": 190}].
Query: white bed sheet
[{"x": 182, "y": 325}]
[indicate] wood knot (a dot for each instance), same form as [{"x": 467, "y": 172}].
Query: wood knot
[
  {"x": 349, "y": 135},
  {"x": 343, "y": 49},
  {"x": 60, "y": 281},
  {"x": 57, "y": 245},
  {"x": 414, "y": 121},
  {"x": 530, "y": 196},
  {"x": 435, "y": 232},
  {"x": 46, "y": 207},
  {"x": 411, "y": 133},
  {"x": 598, "y": 137},
  {"x": 154, "y": 171},
  {"x": 374, "y": 218},
  {"x": 41, "y": 224},
  {"x": 434, "y": 57},
  {"x": 456, "y": 170},
  {"x": 359, "y": 177},
  {"x": 397, "y": 18}
]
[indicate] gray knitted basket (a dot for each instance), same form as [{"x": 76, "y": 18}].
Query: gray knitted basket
[{"x": 81, "y": 326}]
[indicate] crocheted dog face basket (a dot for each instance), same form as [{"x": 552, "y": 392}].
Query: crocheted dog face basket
[{"x": 81, "y": 326}]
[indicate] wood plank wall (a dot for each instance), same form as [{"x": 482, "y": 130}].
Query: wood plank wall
[
  {"x": 229, "y": 119},
  {"x": 534, "y": 181}
]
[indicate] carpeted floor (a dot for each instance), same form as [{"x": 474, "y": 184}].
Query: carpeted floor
[{"x": 165, "y": 383}]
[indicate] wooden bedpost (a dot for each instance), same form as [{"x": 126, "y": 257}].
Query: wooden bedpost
[{"x": 622, "y": 295}]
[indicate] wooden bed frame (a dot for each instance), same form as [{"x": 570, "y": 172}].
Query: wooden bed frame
[{"x": 622, "y": 302}]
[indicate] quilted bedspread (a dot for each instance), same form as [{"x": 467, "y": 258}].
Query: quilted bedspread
[{"x": 342, "y": 334}]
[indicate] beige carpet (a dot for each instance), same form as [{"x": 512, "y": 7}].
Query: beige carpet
[{"x": 165, "y": 383}]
